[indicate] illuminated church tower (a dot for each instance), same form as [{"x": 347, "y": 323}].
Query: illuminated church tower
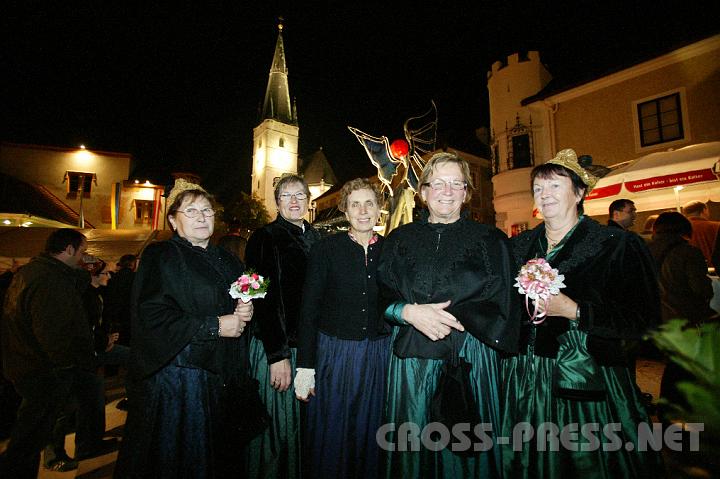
[{"x": 275, "y": 145}]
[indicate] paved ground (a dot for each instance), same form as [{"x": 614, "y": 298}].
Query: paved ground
[{"x": 648, "y": 376}]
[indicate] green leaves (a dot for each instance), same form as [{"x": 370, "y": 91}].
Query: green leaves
[{"x": 697, "y": 350}]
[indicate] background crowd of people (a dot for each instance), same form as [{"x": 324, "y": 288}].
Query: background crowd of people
[{"x": 356, "y": 331}]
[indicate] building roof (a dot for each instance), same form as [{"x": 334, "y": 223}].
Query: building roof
[
  {"x": 317, "y": 168},
  {"x": 564, "y": 83},
  {"x": 277, "y": 96},
  {"x": 17, "y": 196}
]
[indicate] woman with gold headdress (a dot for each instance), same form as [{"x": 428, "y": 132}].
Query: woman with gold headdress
[
  {"x": 572, "y": 377},
  {"x": 187, "y": 347}
]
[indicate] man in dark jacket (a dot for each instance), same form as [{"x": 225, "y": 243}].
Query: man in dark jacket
[{"x": 45, "y": 339}]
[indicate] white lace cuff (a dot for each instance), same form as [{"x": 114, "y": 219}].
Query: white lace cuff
[{"x": 304, "y": 382}]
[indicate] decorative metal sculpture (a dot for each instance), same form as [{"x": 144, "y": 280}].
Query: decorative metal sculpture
[{"x": 400, "y": 163}]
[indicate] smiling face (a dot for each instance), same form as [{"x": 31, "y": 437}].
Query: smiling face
[
  {"x": 291, "y": 208},
  {"x": 196, "y": 230},
  {"x": 556, "y": 198},
  {"x": 362, "y": 210},
  {"x": 444, "y": 204}
]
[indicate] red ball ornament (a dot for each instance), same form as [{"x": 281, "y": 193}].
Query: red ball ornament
[{"x": 399, "y": 149}]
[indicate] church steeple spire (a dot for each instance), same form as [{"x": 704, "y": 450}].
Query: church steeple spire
[
  {"x": 276, "y": 137},
  {"x": 277, "y": 104}
]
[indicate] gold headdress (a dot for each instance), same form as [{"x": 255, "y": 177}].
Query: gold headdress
[
  {"x": 180, "y": 186},
  {"x": 568, "y": 159}
]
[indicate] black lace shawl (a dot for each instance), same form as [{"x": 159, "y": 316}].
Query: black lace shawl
[{"x": 466, "y": 262}]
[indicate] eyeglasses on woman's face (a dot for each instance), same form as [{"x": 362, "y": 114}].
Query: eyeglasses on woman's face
[
  {"x": 299, "y": 196},
  {"x": 195, "y": 212},
  {"x": 439, "y": 185}
]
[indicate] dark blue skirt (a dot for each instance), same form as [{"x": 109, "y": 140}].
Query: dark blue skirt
[
  {"x": 347, "y": 409},
  {"x": 169, "y": 429}
]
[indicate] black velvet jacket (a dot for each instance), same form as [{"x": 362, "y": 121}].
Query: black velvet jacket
[
  {"x": 466, "y": 262},
  {"x": 610, "y": 274},
  {"x": 341, "y": 295},
  {"x": 178, "y": 293},
  {"x": 279, "y": 252}
]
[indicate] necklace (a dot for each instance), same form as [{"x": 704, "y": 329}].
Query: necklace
[{"x": 553, "y": 243}]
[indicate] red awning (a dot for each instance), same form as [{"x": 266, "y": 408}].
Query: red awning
[{"x": 661, "y": 180}]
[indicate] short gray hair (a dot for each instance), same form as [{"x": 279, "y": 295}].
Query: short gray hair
[{"x": 287, "y": 179}]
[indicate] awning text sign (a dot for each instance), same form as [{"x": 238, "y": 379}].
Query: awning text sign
[{"x": 669, "y": 181}]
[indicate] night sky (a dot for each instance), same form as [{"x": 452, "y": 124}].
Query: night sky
[{"x": 179, "y": 87}]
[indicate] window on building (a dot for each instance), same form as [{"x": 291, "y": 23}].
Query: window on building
[
  {"x": 660, "y": 120},
  {"x": 521, "y": 151},
  {"x": 496, "y": 159},
  {"x": 281, "y": 143},
  {"x": 144, "y": 211},
  {"x": 520, "y": 144},
  {"x": 79, "y": 181}
]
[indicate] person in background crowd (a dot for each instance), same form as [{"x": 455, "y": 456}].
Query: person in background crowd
[
  {"x": 116, "y": 315},
  {"x": 188, "y": 347},
  {"x": 685, "y": 288},
  {"x": 622, "y": 214},
  {"x": 116, "y": 308},
  {"x": 686, "y": 291},
  {"x": 9, "y": 399},
  {"x": 46, "y": 346},
  {"x": 705, "y": 235},
  {"x": 572, "y": 368},
  {"x": 279, "y": 252},
  {"x": 446, "y": 286},
  {"x": 344, "y": 343},
  {"x": 7, "y": 276},
  {"x": 88, "y": 412}
]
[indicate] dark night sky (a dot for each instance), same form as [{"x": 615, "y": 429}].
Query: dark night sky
[{"x": 179, "y": 87}]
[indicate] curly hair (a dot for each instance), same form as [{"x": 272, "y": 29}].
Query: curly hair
[{"x": 355, "y": 185}]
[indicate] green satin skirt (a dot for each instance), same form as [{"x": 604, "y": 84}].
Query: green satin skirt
[
  {"x": 528, "y": 398},
  {"x": 411, "y": 385},
  {"x": 276, "y": 452}
]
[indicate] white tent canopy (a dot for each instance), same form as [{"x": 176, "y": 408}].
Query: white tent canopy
[{"x": 661, "y": 180}]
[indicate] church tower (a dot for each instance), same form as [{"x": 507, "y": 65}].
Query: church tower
[{"x": 275, "y": 145}]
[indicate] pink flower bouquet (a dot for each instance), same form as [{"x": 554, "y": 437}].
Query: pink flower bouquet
[
  {"x": 249, "y": 286},
  {"x": 538, "y": 281}
]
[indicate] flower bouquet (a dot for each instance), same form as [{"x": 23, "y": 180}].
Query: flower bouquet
[
  {"x": 249, "y": 286},
  {"x": 538, "y": 281}
]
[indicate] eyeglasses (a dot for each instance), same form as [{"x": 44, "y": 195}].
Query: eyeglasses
[
  {"x": 299, "y": 196},
  {"x": 439, "y": 185},
  {"x": 194, "y": 212}
]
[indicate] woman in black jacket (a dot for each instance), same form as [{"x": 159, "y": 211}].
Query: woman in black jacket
[
  {"x": 187, "y": 345},
  {"x": 279, "y": 251},
  {"x": 344, "y": 343},
  {"x": 571, "y": 371}
]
